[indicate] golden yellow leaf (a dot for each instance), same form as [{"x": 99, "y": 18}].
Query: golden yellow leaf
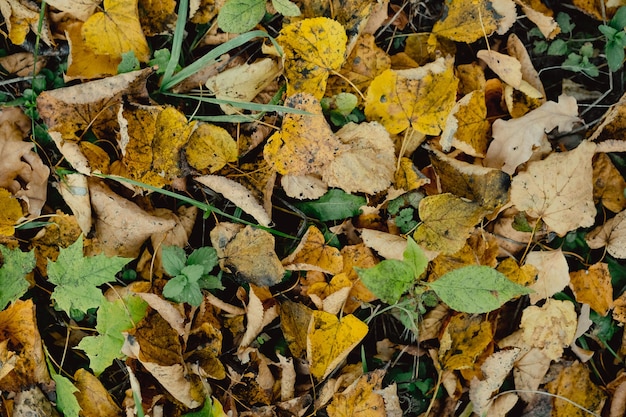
[
  {"x": 306, "y": 143},
  {"x": 99, "y": 160},
  {"x": 363, "y": 399},
  {"x": 593, "y": 286},
  {"x": 447, "y": 221},
  {"x": 294, "y": 322},
  {"x": 619, "y": 309},
  {"x": 116, "y": 30},
  {"x": 93, "y": 397},
  {"x": 558, "y": 190},
  {"x": 10, "y": 212},
  {"x": 608, "y": 184},
  {"x": 480, "y": 249},
  {"x": 210, "y": 147},
  {"x": 611, "y": 234},
  {"x": 20, "y": 17},
  {"x": 420, "y": 98},
  {"x": 552, "y": 273},
  {"x": 408, "y": 177},
  {"x": 330, "y": 340},
  {"x": 313, "y": 48},
  {"x": 523, "y": 275},
  {"x": 468, "y": 21},
  {"x": 467, "y": 126},
  {"x": 203, "y": 11},
  {"x": 465, "y": 338},
  {"x": 574, "y": 384},
  {"x": 157, "y": 17},
  {"x": 314, "y": 254},
  {"x": 550, "y": 327}
]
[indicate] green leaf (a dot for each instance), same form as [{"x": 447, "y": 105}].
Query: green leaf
[
  {"x": 405, "y": 219},
  {"x": 13, "y": 283},
  {"x": 558, "y": 48},
  {"x": 209, "y": 409},
  {"x": 614, "y": 55},
  {"x": 66, "y": 401},
  {"x": 129, "y": 63},
  {"x": 587, "y": 50},
  {"x": 476, "y": 289},
  {"x": 336, "y": 204},
  {"x": 539, "y": 47},
  {"x": 161, "y": 59},
  {"x": 414, "y": 257},
  {"x": 205, "y": 256},
  {"x": 113, "y": 318},
  {"x": 286, "y": 7},
  {"x": 184, "y": 288},
  {"x": 388, "y": 280},
  {"x": 174, "y": 259},
  {"x": 619, "y": 19},
  {"x": 237, "y": 16},
  {"x": 608, "y": 31},
  {"x": 565, "y": 22},
  {"x": 77, "y": 277}
]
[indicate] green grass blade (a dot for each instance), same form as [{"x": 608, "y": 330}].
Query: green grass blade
[{"x": 177, "y": 41}]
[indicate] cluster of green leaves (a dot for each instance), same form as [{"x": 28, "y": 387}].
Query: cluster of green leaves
[
  {"x": 237, "y": 16},
  {"x": 404, "y": 211},
  {"x": 579, "y": 48},
  {"x": 190, "y": 275},
  {"x": 342, "y": 109}
]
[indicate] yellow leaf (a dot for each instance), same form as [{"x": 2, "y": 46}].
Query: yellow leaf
[
  {"x": 574, "y": 384},
  {"x": 314, "y": 254},
  {"x": 408, "y": 177},
  {"x": 157, "y": 17},
  {"x": 19, "y": 17},
  {"x": 593, "y": 287},
  {"x": 420, "y": 98},
  {"x": 313, "y": 48},
  {"x": 116, "y": 31},
  {"x": 294, "y": 322},
  {"x": 468, "y": 21},
  {"x": 10, "y": 212},
  {"x": 83, "y": 62},
  {"x": 465, "y": 338},
  {"x": 363, "y": 399},
  {"x": 330, "y": 340},
  {"x": 306, "y": 143},
  {"x": 447, "y": 221},
  {"x": 608, "y": 184},
  {"x": 523, "y": 275},
  {"x": 550, "y": 327},
  {"x": 558, "y": 189},
  {"x": 552, "y": 273},
  {"x": 93, "y": 397},
  {"x": 210, "y": 147},
  {"x": 467, "y": 126}
]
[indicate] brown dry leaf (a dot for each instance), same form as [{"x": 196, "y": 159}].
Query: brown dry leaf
[
  {"x": 469, "y": 21},
  {"x": 593, "y": 286},
  {"x": 558, "y": 190},
  {"x": 366, "y": 162},
  {"x": 547, "y": 25},
  {"x": 608, "y": 184},
  {"x": 495, "y": 369},
  {"x": 10, "y": 213},
  {"x": 550, "y": 327},
  {"x": 248, "y": 253},
  {"x": 471, "y": 78},
  {"x": 294, "y": 323},
  {"x": 574, "y": 384},
  {"x": 22, "y": 64},
  {"x": 467, "y": 125},
  {"x": 157, "y": 17},
  {"x": 313, "y": 49},
  {"x": 552, "y": 273},
  {"x": 619, "y": 309},
  {"x": 80, "y": 9},
  {"x": 447, "y": 221},
  {"x": 420, "y": 98},
  {"x": 330, "y": 340},
  {"x": 313, "y": 254},
  {"x": 385, "y": 244},
  {"x": 488, "y": 187},
  {"x": 514, "y": 140},
  {"x": 92, "y": 396},
  {"x": 516, "y": 48},
  {"x": 122, "y": 227},
  {"x": 611, "y": 234},
  {"x": 464, "y": 339},
  {"x": 71, "y": 111},
  {"x": 22, "y": 359},
  {"x": 243, "y": 82},
  {"x": 306, "y": 143},
  {"x": 116, "y": 30},
  {"x": 360, "y": 399},
  {"x": 421, "y": 48}
]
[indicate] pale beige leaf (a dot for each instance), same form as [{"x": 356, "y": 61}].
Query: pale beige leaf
[
  {"x": 529, "y": 373},
  {"x": 80, "y": 9},
  {"x": 551, "y": 327},
  {"x": 387, "y": 245},
  {"x": 257, "y": 317},
  {"x": 611, "y": 234},
  {"x": 506, "y": 67},
  {"x": 303, "y": 187},
  {"x": 495, "y": 369},
  {"x": 546, "y": 24},
  {"x": 514, "y": 140},
  {"x": 75, "y": 191},
  {"x": 552, "y": 275},
  {"x": 559, "y": 189}
]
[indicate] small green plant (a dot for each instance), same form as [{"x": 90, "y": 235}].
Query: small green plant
[
  {"x": 342, "y": 109},
  {"x": 190, "y": 275},
  {"x": 615, "y": 34}
]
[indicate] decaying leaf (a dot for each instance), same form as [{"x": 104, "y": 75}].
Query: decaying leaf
[
  {"x": 495, "y": 369},
  {"x": 294, "y": 322},
  {"x": 464, "y": 339},
  {"x": 362, "y": 398},
  {"x": 508, "y": 68},
  {"x": 574, "y": 384},
  {"x": 314, "y": 254},
  {"x": 210, "y": 148},
  {"x": 550, "y": 327},
  {"x": 10, "y": 212},
  {"x": 558, "y": 190},
  {"x": 467, "y": 126},
  {"x": 593, "y": 286},
  {"x": 611, "y": 234},
  {"x": 92, "y": 396},
  {"x": 259, "y": 313},
  {"x": 608, "y": 184},
  {"x": 469, "y": 21}
]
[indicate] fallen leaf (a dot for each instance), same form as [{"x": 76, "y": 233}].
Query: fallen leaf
[
  {"x": 330, "y": 340},
  {"x": 303, "y": 187},
  {"x": 550, "y": 327},
  {"x": 259, "y": 313},
  {"x": 608, "y": 184},
  {"x": 420, "y": 98},
  {"x": 447, "y": 221},
  {"x": 157, "y": 17},
  {"x": 20, "y": 18},
  {"x": 80, "y": 9},
  {"x": 508, "y": 68},
  {"x": 593, "y": 286},
  {"x": 313, "y": 254},
  {"x": 248, "y": 253},
  {"x": 552, "y": 273},
  {"x": 82, "y": 61},
  {"x": 305, "y": 143},
  {"x": 558, "y": 190},
  {"x": 468, "y": 22},
  {"x": 313, "y": 49},
  {"x": 583, "y": 396},
  {"x": 22, "y": 64},
  {"x": 514, "y": 140},
  {"x": 547, "y": 25},
  {"x": 294, "y": 323},
  {"x": 116, "y": 30},
  {"x": 524, "y": 275},
  {"x": 362, "y": 398},
  {"x": 611, "y": 234},
  {"x": 93, "y": 398},
  {"x": 10, "y": 212},
  {"x": 495, "y": 369},
  {"x": 464, "y": 339},
  {"x": 210, "y": 148},
  {"x": 466, "y": 126}
]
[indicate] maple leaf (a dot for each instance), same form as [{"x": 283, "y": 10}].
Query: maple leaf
[{"x": 77, "y": 277}]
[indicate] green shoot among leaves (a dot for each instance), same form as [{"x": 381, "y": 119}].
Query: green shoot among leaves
[
  {"x": 336, "y": 204},
  {"x": 190, "y": 275},
  {"x": 13, "y": 283}
]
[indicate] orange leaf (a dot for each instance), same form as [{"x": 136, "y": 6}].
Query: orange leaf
[{"x": 593, "y": 287}]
